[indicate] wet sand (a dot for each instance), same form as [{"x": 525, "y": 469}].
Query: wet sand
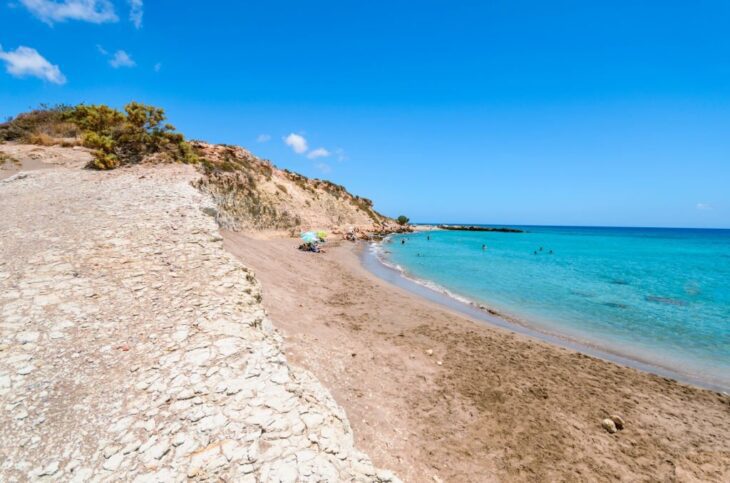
[{"x": 435, "y": 395}]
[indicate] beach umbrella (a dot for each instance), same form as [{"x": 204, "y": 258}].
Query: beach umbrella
[{"x": 309, "y": 236}]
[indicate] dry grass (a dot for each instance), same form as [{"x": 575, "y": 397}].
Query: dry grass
[
  {"x": 47, "y": 126},
  {"x": 43, "y": 139}
]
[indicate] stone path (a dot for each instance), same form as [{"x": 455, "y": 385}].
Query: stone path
[{"x": 134, "y": 348}]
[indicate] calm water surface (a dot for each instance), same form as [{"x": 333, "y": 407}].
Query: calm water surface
[{"x": 660, "y": 296}]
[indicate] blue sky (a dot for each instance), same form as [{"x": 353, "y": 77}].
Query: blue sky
[{"x": 585, "y": 113}]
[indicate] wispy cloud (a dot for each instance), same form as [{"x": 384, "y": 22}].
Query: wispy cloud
[
  {"x": 300, "y": 146},
  {"x": 136, "y": 11},
  {"x": 297, "y": 143},
  {"x": 101, "y": 50},
  {"x": 158, "y": 67},
  {"x": 25, "y": 61},
  {"x": 318, "y": 153},
  {"x": 94, "y": 11},
  {"x": 121, "y": 59},
  {"x": 263, "y": 138},
  {"x": 703, "y": 206},
  {"x": 341, "y": 156}
]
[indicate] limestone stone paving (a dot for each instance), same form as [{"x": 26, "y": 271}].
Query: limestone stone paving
[{"x": 134, "y": 348}]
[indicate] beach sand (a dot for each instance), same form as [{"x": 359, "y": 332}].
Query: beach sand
[{"x": 434, "y": 395}]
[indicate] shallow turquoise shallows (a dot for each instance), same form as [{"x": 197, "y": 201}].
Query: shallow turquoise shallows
[{"x": 659, "y": 296}]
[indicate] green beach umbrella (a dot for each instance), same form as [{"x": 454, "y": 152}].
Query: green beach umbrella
[{"x": 309, "y": 236}]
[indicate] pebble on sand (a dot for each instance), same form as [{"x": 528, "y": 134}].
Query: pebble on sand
[
  {"x": 609, "y": 425},
  {"x": 618, "y": 421}
]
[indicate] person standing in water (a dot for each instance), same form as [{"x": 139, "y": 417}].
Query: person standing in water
[
  {"x": 484, "y": 248},
  {"x": 403, "y": 241}
]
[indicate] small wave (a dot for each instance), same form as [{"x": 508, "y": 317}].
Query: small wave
[{"x": 379, "y": 252}]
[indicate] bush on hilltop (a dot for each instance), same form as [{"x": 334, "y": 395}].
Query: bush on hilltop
[
  {"x": 45, "y": 125},
  {"x": 116, "y": 137},
  {"x": 129, "y": 137},
  {"x": 402, "y": 220}
]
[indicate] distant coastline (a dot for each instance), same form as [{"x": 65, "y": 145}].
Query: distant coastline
[{"x": 480, "y": 228}]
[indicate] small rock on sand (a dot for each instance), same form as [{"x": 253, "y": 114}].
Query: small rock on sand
[
  {"x": 609, "y": 425},
  {"x": 618, "y": 421}
]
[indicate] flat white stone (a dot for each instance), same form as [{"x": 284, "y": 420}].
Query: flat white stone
[
  {"x": 27, "y": 337},
  {"x": 25, "y": 370},
  {"x": 113, "y": 463}
]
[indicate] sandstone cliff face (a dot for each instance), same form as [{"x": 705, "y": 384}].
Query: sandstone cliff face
[
  {"x": 134, "y": 348},
  {"x": 251, "y": 193}
]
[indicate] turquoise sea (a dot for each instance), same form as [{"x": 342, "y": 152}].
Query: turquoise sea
[{"x": 657, "y": 296}]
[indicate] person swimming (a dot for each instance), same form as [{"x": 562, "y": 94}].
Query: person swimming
[
  {"x": 428, "y": 237},
  {"x": 403, "y": 241},
  {"x": 484, "y": 247}
]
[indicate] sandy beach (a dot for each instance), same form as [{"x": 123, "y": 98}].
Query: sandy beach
[{"x": 437, "y": 396}]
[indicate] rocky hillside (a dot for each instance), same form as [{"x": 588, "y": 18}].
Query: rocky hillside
[{"x": 252, "y": 193}]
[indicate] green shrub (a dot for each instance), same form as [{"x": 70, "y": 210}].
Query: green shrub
[
  {"x": 103, "y": 146},
  {"x": 129, "y": 137},
  {"x": 402, "y": 220},
  {"x": 100, "y": 119},
  {"x": 116, "y": 137}
]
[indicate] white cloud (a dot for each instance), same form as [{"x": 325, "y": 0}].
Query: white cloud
[
  {"x": 318, "y": 153},
  {"x": 297, "y": 143},
  {"x": 324, "y": 167},
  {"x": 341, "y": 156},
  {"x": 121, "y": 59},
  {"x": 703, "y": 206},
  {"x": 24, "y": 61},
  {"x": 158, "y": 66},
  {"x": 101, "y": 50},
  {"x": 136, "y": 11},
  {"x": 94, "y": 11},
  {"x": 263, "y": 138}
]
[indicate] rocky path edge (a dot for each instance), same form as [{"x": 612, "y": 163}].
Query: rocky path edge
[{"x": 133, "y": 347}]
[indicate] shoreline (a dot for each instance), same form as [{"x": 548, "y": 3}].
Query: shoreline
[
  {"x": 435, "y": 395},
  {"x": 482, "y": 313}
]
